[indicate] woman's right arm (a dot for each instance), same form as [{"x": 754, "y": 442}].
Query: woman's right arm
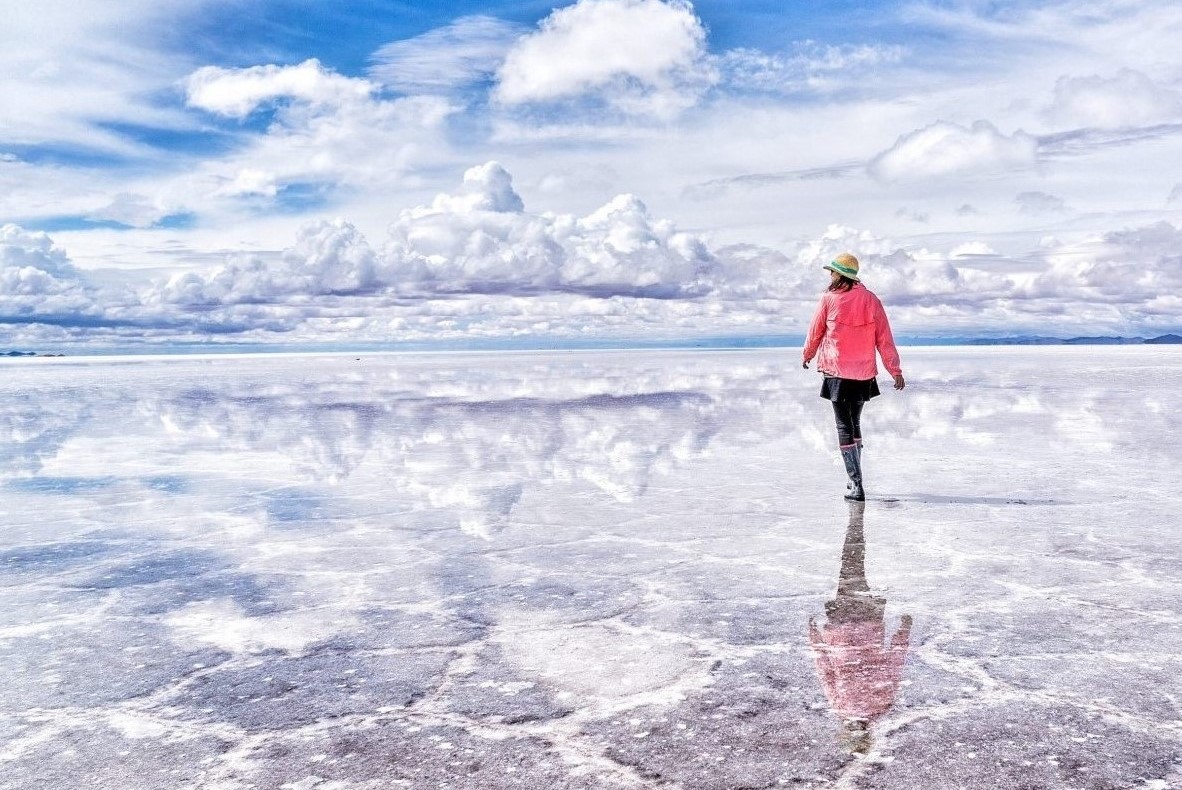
[{"x": 816, "y": 332}]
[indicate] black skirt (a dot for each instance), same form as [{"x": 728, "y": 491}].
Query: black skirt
[{"x": 849, "y": 390}]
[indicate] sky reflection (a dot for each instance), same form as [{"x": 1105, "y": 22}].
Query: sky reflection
[{"x": 589, "y": 548}]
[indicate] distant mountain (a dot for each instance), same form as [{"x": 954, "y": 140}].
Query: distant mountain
[
  {"x": 1034, "y": 340},
  {"x": 27, "y": 354},
  {"x": 1104, "y": 341}
]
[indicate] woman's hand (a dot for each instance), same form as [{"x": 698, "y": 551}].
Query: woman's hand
[
  {"x": 899, "y": 382},
  {"x": 805, "y": 365}
]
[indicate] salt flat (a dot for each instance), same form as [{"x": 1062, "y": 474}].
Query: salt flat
[{"x": 589, "y": 570}]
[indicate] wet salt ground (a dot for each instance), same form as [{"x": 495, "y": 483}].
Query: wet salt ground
[{"x": 589, "y": 571}]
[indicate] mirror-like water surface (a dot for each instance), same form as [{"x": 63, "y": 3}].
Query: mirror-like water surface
[{"x": 589, "y": 570}]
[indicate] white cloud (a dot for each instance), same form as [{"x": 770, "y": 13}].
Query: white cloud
[
  {"x": 440, "y": 451},
  {"x": 474, "y": 264},
  {"x": 944, "y": 148},
  {"x": 811, "y": 65},
  {"x": 1128, "y": 99},
  {"x": 487, "y": 187},
  {"x": 38, "y": 281},
  {"x": 913, "y": 215},
  {"x": 328, "y": 258},
  {"x": 1137, "y": 271},
  {"x": 481, "y": 240},
  {"x": 972, "y": 248},
  {"x": 21, "y": 250},
  {"x": 249, "y": 181},
  {"x": 638, "y": 56},
  {"x": 134, "y": 210},
  {"x": 236, "y": 93},
  {"x": 71, "y": 66},
  {"x": 1039, "y": 203},
  {"x": 328, "y": 130},
  {"x": 467, "y": 51},
  {"x": 458, "y": 446},
  {"x": 476, "y": 240},
  {"x": 1134, "y": 32}
]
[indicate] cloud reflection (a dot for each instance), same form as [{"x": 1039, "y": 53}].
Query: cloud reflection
[{"x": 468, "y": 438}]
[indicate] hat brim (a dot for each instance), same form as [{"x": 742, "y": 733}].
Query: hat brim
[{"x": 853, "y": 277}]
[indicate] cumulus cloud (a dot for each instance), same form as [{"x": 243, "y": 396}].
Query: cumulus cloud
[
  {"x": 328, "y": 258},
  {"x": 488, "y": 187},
  {"x": 918, "y": 285},
  {"x": 236, "y": 93},
  {"x": 1120, "y": 282},
  {"x": 1128, "y": 99},
  {"x": 478, "y": 239},
  {"x": 1135, "y": 271},
  {"x": 21, "y": 250},
  {"x": 944, "y": 148},
  {"x": 644, "y": 57},
  {"x": 475, "y": 264},
  {"x": 38, "y": 282},
  {"x": 467, "y": 51}
]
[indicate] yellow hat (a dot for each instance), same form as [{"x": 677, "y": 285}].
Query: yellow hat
[{"x": 845, "y": 264}]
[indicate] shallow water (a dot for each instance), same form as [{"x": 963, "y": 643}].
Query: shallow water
[{"x": 589, "y": 570}]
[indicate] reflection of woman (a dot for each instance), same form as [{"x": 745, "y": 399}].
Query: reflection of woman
[
  {"x": 859, "y": 674},
  {"x": 848, "y": 327}
]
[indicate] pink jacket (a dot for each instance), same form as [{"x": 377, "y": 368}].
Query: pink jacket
[
  {"x": 846, "y": 330},
  {"x": 859, "y": 675}
]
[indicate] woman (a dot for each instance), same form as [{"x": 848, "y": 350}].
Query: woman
[{"x": 848, "y": 327}]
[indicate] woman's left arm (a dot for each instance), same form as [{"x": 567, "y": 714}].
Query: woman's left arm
[{"x": 884, "y": 341}]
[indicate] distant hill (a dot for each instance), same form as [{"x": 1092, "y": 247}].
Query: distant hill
[
  {"x": 1034, "y": 340},
  {"x": 1104, "y": 341}
]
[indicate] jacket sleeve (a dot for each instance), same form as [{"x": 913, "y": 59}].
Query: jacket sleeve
[
  {"x": 816, "y": 331},
  {"x": 884, "y": 341}
]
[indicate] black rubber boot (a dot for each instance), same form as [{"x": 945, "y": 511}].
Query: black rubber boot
[
  {"x": 857, "y": 445},
  {"x": 853, "y": 468}
]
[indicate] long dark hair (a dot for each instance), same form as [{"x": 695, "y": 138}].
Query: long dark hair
[{"x": 842, "y": 283}]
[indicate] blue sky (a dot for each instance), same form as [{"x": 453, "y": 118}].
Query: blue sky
[
  {"x": 343, "y": 35},
  {"x": 486, "y": 172}
]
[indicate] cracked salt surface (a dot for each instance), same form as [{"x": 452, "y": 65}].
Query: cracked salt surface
[{"x": 592, "y": 570}]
